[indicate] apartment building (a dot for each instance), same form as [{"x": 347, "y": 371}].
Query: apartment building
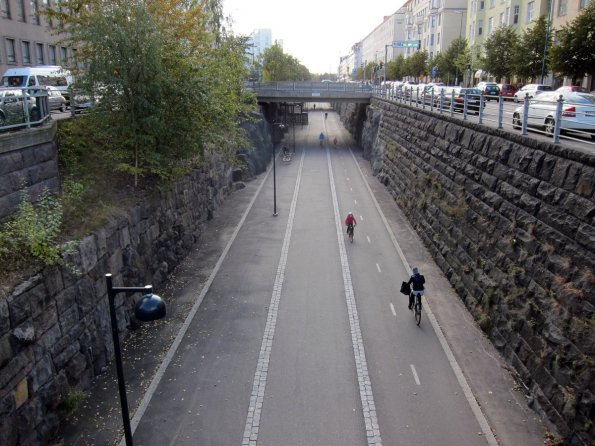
[
  {"x": 26, "y": 38},
  {"x": 434, "y": 24},
  {"x": 380, "y": 40}
]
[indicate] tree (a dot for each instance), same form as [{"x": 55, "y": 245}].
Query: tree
[
  {"x": 530, "y": 60},
  {"x": 500, "y": 50},
  {"x": 278, "y": 66},
  {"x": 574, "y": 54},
  {"x": 169, "y": 80},
  {"x": 394, "y": 68},
  {"x": 415, "y": 65}
]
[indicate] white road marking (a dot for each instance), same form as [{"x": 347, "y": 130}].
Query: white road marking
[
  {"x": 355, "y": 201},
  {"x": 361, "y": 217},
  {"x": 378, "y": 268},
  {"x": 392, "y": 309},
  {"x": 144, "y": 404},
  {"x": 351, "y": 189},
  {"x": 368, "y": 237},
  {"x": 363, "y": 378},
  {"x": 415, "y": 377},
  {"x": 260, "y": 376},
  {"x": 475, "y": 408}
]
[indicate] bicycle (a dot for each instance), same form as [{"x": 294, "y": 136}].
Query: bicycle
[
  {"x": 350, "y": 232},
  {"x": 417, "y": 307}
]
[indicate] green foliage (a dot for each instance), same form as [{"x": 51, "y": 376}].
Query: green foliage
[
  {"x": 574, "y": 54},
  {"x": 168, "y": 77},
  {"x": 395, "y": 68},
  {"x": 500, "y": 50},
  {"x": 71, "y": 401},
  {"x": 528, "y": 60},
  {"x": 415, "y": 65},
  {"x": 452, "y": 62},
  {"x": 278, "y": 66},
  {"x": 32, "y": 232}
]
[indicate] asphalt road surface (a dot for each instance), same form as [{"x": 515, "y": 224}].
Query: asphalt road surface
[{"x": 302, "y": 337}]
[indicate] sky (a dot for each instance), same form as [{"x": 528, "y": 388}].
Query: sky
[{"x": 316, "y": 32}]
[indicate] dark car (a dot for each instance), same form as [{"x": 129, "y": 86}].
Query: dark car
[
  {"x": 490, "y": 90},
  {"x": 507, "y": 91},
  {"x": 472, "y": 96}
]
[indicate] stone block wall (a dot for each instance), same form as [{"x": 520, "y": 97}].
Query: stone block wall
[
  {"x": 55, "y": 328},
  {"x": 510, "y": 221},
  {"x": 28, "y": 162}
]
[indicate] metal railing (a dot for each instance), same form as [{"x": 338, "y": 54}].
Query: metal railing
[
  {"x": 23, "y": 107},
  {"x": 308, "y": 86},
  {"x": 559, "y": 119}
]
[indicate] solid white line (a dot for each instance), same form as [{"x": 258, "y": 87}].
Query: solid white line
[
  {"x": 415, "y": 377},
  {"x": 355, "y": 201},
  {"x": 363, "y": 378},
  {"x": 252, "y": 425},
  {"x": 392, "y": 309},
  {"x": 475, "y": 408},
  {"x": 378, "y": 268},
  {"x": 144, "y": 404},
  {"x": 368, "y": 237}
]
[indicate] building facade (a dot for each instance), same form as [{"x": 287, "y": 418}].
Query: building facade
[
  {"x": 25, "y": 36},
  {"x": 378, "y": 44},
  {"x": 261, "y": 39}
]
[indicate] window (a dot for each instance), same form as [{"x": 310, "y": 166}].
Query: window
[
  {"x": 63, "y": 56},
  {"x": 502, "y": 19},
  {"x": 20, "y": 10},
  {"x": 490, "y": 25},
  {"x": 439, "y": 19},
  {"x": 438, "y": 39},
  {"x": 433, "y": 21},
  {"x": 583, "y": 4},
  {"x": 479, "y": 27},
  {"x": 26, "y": 50},
  {"x": 10, "y": 53},
  {"x": 52, "y": 54},
  {"x": 515, "y": 18},
  {"x": 530, "y": 11},
  {"x": 481, "y": 4},
  {"x": 562, "y": 6},
  {"x": 431, "y": 39},
  {"x": 507, "y": 16},
  {"x": 4, "y": 9},
  {"x": 492, "y": 3},
  {"x": 39, "y": 59},
  {"x": 34, "y": 13}
]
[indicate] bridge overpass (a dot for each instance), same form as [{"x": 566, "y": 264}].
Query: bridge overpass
[{"x": 311, "y": 91}]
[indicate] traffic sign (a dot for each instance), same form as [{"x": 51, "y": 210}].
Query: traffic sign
[{"x": 406, "y": 44}]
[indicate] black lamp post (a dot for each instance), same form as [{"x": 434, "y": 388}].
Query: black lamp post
[{"x": 150, "y": 308}]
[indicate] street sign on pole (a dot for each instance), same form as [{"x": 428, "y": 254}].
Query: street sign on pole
[{"x": 406, "y": 44}]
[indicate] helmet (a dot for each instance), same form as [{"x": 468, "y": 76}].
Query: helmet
[{"x": 350, "y": 213}]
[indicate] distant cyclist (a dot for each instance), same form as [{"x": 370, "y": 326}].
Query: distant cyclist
[
  {"x": 350, "y": 222},
  {"x": 335, "y": 141},
  {"x": 325, "y": 115},
  {"x": 321, "y": 138},
  {"x": 417, "y": 282}
]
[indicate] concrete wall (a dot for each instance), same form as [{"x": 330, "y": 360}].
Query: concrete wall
[
  {"x": 510, "y": 222},
  {"x": 28, "y": 161},
  {"x": 54, "y": 327}
]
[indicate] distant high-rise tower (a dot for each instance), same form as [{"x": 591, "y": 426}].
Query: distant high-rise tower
[{"x": 261, "y": 40}]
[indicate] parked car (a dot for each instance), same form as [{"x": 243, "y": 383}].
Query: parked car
[
  {"x": 490, "y": 90},
  {"x": 507, "y": 91},
  {"x": 12, "y": 109},
  {"x": 572, "y": 89},
  {"x": 578, "y": 112},
  {"x": 532, "y": 90},
  {"x": 472, "y": 96},
  {"x": 55, "y": 99}
]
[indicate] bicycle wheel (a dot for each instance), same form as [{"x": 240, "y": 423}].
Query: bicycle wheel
[{"x": 418, "y": 310}]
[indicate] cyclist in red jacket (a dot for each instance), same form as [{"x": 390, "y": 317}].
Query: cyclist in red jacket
[{"x": 350, "y": 222}]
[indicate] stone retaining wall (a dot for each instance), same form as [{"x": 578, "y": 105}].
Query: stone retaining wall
[
  {"x": 54, "y": 328},
  {"x": 28, "y": 162},
  {"x": 510, "y": 222}
]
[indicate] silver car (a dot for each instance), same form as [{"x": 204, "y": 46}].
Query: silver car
[
  {"x": 55, "y": 99},
  {"x": 578, "y": 113},
  {"x": 13, "y": 107},
  {"x": 532, "y": 90}
]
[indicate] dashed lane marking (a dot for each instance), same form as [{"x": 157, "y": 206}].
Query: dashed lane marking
[
  {"x": 415, "y": 377},
  {"x": 392, "y": 309},
  {"x": 378, "y": 268}
]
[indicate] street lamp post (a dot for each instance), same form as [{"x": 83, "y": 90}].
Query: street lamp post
[
  {"x": 150, "y": 308},
  {"x": 458, "y": 46}
]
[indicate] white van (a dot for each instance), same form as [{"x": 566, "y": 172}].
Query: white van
[{"x": 40, "y": 76}]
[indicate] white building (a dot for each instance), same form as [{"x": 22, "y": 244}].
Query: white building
[
  {"x": 261, "y": 39},
  {"x": 378, "y": 45}
]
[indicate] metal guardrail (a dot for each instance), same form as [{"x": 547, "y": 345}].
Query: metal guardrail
[
  {"x": 23, "y": 107},
  {"x": 309, "y": 86},
  {"x": 560, "y": 119}
]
